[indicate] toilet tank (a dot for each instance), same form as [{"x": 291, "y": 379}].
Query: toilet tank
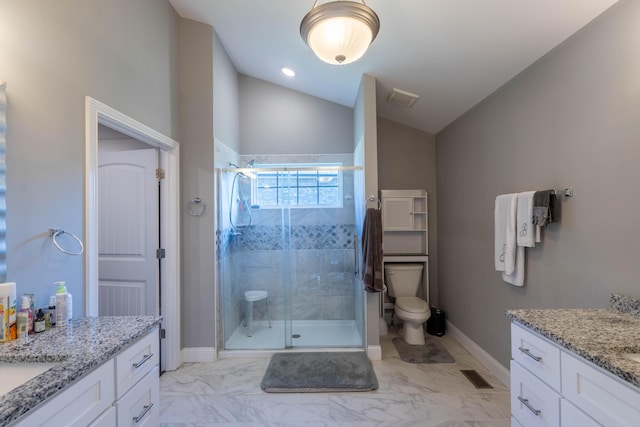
[{"x": 403, "y": 279}]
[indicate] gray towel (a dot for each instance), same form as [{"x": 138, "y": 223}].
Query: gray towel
[
  {"x": 545, "y": 208},
  {"x": 372, "y": 251}
]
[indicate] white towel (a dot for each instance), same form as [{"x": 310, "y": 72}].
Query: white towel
[
  {"x": 517, "y": 277},
  {"x": 505, "y": 232},
  {"x": 525, "y": 231}
]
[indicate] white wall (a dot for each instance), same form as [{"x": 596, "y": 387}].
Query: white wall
[
  {"x": 570, "y": 120},
  {"x": 52, "y": 55}
]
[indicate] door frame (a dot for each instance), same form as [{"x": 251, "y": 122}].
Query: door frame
[{"x": 98, "y": 113}]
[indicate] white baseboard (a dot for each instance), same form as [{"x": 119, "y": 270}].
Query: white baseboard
[
  {"x": 480, "y": 354},
  {"x": 198, "y": 354},
  {"x": 374, "y": 352}
]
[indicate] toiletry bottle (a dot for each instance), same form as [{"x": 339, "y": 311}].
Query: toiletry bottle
[
  {"x": 3, "y": 324},
  {"x": 64, "y": 309},
  {"x": 61, "y": 304},
  {"x": 26, "y": 308},
  {"x": 23, "y": 325},
  {"x": 39, "y": 323},
  {"x": 8, "y": 295},
  {"x": 52, "y": 309}
]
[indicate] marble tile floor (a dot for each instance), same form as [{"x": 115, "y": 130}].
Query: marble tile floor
[{"x": 227, "y": 394}]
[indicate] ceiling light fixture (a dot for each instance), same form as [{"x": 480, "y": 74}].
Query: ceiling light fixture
[{"x": 339, "y": 32}]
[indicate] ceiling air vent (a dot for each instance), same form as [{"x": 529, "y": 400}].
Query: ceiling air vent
[{"x": 402, "y": 98}]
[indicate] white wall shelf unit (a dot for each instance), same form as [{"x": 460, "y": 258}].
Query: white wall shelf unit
[
  {"x": 404, "y": 230},
  {"x": 404, "y": 222}
]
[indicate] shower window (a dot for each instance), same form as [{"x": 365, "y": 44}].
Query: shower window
[{"x": 298, "y": 188}]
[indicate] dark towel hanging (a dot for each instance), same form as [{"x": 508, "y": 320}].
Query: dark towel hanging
[
  {"x": 545, "y": 208},
  {"x": 372, "y": 251}
]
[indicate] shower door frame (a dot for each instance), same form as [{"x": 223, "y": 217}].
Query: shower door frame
[{"x": 287, "y": 282}]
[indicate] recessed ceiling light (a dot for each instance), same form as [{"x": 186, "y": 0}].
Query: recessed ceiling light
[{"x": 288, "y": 72}]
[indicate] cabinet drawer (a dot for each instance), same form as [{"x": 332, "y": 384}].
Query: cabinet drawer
[
  {"x": 80, "y": 404},
  {"x": 606, "y": 399},
  {"x": 536, "y": 354},
  {"x": 533, "y": 403},
  {"x": 107, "y": 419},
  {"x": 135, "y": 362},
  {"x": 572, "y": 416},
  {"x": 140, "y": 406}
]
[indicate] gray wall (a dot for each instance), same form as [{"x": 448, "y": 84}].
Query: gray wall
[
  {"x": 196, "y": 156},
  {"x": 53, "y": 54},
  {"x": 407, "y": 160},
  {"x": 277, "y": 120},
  {"x": 570, "y": 120},
  {"x": 226, "y": 101},
  {"x": 365, "y": 137}
]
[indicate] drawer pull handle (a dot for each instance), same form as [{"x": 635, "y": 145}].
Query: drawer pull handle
[
  {"x": 528, "y": 353},
  {"x": 146, "y": 409},
  {"x": 526, "y": 403},
  {"x": 144, "y": 359}
]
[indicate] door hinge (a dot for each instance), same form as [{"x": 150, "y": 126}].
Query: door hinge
[
  {"x": 160, "y": 253},
  {"x": 159, "y": 173},
  {"x": 163, "y": 333}
]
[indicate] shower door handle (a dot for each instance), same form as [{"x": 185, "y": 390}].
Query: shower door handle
[{"x": 355, "y": 256}]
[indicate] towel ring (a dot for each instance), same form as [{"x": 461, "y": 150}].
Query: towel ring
[
  {"x": 373, "y": 199},
  {"x": 55, "y": 232},
  {"x": 196, "y": 207}
]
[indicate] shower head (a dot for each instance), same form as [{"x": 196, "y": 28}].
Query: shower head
[{"x": 247, "y": 175}]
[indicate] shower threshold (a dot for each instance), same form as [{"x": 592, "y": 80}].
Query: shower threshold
[{"x": 305, "y": 333}]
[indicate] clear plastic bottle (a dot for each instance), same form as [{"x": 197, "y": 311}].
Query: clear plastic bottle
[
  {"x": 22, "y": 322},
  {"x": 25, "y": 307}
]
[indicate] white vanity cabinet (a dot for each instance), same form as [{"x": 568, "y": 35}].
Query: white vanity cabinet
[
  {"x": 551, "y": 386},
  {"x": 138, "y": 383},
  {"x": 123, "y": 391},
  {"x": 80, "y": 404}
]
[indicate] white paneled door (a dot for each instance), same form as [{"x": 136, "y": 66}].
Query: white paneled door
[{"x": 128, "y": 233}]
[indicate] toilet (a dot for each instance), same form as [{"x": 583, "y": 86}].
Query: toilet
[{"x": 403, "y": 282}]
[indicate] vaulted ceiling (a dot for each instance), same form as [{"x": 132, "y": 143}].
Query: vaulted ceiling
[{"x": 452, "y": 53}]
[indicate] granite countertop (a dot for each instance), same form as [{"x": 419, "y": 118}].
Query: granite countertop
[
  {"x": 80, "y": 347},
  {"x": 601, "y": 336}
]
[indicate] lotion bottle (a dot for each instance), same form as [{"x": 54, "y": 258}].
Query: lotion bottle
[{"x": 63, "y": 305}]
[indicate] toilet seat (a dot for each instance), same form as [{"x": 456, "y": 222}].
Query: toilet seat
[{"x": 412, "y": 305}]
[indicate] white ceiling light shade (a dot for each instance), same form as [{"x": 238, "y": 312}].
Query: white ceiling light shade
[{"x": 339, "y": 32}]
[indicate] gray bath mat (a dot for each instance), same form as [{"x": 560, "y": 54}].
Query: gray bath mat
[
  {"x": 431, "y": 352},
  {"x": 318, "y": 372}
]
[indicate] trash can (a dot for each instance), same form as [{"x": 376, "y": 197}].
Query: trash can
[{"x": 435, "y": 324}]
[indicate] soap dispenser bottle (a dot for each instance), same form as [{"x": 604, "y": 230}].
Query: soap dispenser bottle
[{"x": 64, "y": 308}]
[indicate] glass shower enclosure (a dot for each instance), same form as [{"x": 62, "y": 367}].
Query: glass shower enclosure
[{"x": 287, "y": 258}]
